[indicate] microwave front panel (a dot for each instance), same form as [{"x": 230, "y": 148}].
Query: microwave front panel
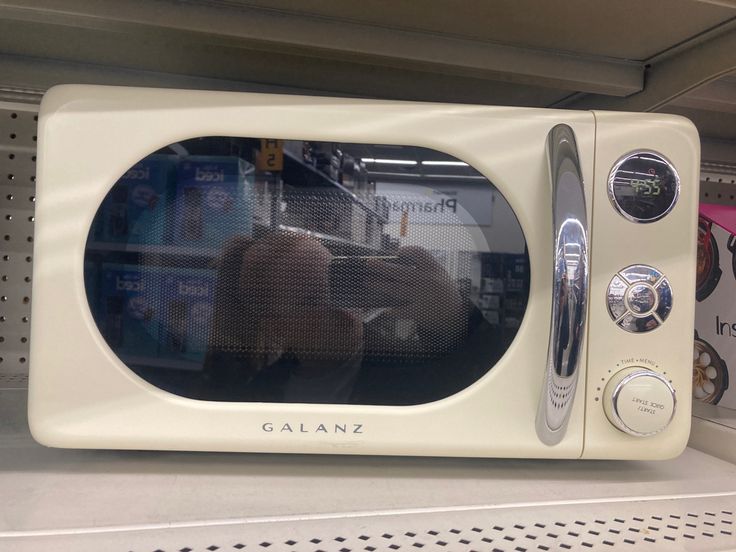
[
  {"x": 83, "y": 392},
  {"x": 642, "y": 297},
  {"x": 263, "y": 270}
]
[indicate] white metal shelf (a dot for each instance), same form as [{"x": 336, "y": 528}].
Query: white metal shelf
[{"x": 146, "y": 501}]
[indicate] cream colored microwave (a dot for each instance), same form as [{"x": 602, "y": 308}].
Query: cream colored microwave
[{"x": 273, "y": 273}]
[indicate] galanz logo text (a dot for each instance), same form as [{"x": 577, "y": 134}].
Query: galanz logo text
[{"x": 270, "y": 427}]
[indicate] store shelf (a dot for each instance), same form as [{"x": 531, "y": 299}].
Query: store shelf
[
  {"x": 145, "y": 501},
  {"x": 333, "y": 185},
  {"x": 152, "y": 249},
  {"x": 333, "y": 242},
  {"x": 531, "y": 54},
  {"x": 716, "y": 414},
  {"x": 714, "y": 430}
]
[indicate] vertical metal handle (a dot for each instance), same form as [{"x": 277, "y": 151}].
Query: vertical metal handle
[{"x": 569, "y": 287}]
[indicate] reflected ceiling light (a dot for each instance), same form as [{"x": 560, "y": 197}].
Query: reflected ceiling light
[
  {"x": 388, "y": 161},
  {"x": 446, "y": 163}
]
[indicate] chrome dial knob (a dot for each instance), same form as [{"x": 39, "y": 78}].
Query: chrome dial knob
[{"x": 639, "y": 401}]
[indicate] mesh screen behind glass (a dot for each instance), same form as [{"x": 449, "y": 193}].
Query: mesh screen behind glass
[{"x": 270, "y": 271}]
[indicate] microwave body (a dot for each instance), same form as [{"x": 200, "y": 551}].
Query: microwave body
[{"x": 400, "y": 279}]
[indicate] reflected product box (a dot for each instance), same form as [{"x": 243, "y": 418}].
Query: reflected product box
[
  {"x": 128, "y": 313},
  {"x": 187, "y": 300},
  {"x": 213, "y": 200},
  {"x": 135, "y": 211},
  {"x": 714, "y": 349}
]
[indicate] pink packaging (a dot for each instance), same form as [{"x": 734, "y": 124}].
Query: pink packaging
[{"x": 714, "y": 354}]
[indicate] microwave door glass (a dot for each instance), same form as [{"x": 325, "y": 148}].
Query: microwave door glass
[{"x": 268, "y": 270}]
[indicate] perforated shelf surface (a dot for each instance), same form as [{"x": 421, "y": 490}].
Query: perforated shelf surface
[{"x": 198, "y": 502}]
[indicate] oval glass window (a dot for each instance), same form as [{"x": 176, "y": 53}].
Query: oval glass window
[{"x": 236, "y": 269}]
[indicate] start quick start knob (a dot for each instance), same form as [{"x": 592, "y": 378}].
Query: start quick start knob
[{"x": 639, "y": 401}]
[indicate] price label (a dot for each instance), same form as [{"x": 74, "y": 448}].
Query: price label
[{"x": 271, "y": 155}]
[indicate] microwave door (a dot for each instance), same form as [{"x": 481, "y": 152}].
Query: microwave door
[
  {"x": 569, "y": 286},
  {"x": 294, "y": 266}
]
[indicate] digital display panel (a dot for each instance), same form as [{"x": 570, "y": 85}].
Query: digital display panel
[{"x": 644, "y": 187}]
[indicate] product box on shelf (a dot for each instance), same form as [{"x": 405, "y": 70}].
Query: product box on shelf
[
  {"x": 136, "y": 210},
  {"x": 213, "y": 200},
  {"x": 128, "y": 314},
  {"x": 187, "y": 298},
  {"x": 714, "y": 354}
]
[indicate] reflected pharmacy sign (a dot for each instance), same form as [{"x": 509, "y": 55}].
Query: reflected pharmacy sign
[{"x": 458, "y": 205}]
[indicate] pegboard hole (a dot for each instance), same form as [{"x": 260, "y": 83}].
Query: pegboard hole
[
  {"x": 2, "y": 319},
  {"x": 22, "y": 360},
  {"x": 24, "y": 340},
  {"x": 24, "y": 320},
  {"x": 29, "y": 259},
  {"x": 35, "y": 138},
  {"x": 3, "y": 298},
  {"x": 27, "y": 279},
  {"x": 11, "y": 156},
  {"x": 8, "y": 217},
  {"x": 33, "y": 158},
  {"x": 11, "y": 176},
  {"x": 2, "y": 339},
  {"x": 4, "y": 278},
  {"x": 32, "y": 198},
  {"x": 29, "y": 239},
  {"x": 31, "y": 219},
  {"x": 9, "y": 197},
  {"x": 13, "y": 115},
  {"x": 12, "y": 136},
  {"x": 26, "y": 300},
  {"x": 6, "y": 237},
  {"x": 6, "y": 257}
]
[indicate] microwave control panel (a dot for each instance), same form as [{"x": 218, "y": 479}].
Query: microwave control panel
[{"x": 642, "y": 287}]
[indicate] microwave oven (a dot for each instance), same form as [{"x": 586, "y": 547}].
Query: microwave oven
[{"x": 272, "y": 273}]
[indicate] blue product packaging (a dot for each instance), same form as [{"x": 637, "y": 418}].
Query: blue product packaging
[
  {"x": 135, "y": 209},
  {"x": 187, "y": 298},
  {"x": 213, "y": 200},
  {"x": 128, "y": 312},
  {"x": 92, "y": 284}
]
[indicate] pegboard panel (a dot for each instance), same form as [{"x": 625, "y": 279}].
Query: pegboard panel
[
  {"x": 718, "y": 183},
  {"x": 17, "y": 200}
]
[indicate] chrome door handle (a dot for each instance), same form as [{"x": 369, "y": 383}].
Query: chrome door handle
[{"x": 569, "y": 287}]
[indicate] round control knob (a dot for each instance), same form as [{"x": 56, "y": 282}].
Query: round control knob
[
  {"x": 639, "y": 298},
  {"x": 639, "y": 401}
]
